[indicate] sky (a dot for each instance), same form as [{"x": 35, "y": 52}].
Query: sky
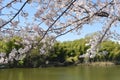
[{"x": 87, "y": 29}]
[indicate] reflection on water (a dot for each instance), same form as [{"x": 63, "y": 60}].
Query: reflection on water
[{"x": 62, "y": 73}]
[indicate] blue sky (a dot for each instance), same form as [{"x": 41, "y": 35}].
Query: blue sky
[{"x": 87, "y": 29}]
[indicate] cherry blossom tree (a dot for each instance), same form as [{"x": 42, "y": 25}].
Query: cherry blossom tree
[{"x": 58, "y": 17}]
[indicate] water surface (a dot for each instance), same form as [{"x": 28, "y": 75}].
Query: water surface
[{"x": 62, "y": 73}]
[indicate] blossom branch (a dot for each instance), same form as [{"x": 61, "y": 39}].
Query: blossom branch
[
  {"x": 57, "y": 19},
  {"x": 14, "y": 15}
]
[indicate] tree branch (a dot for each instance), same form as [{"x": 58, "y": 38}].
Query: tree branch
[
  {"x": 108, "y": 28},
  {"x": 14, "y": 15},
  {"x": 57, "y": 19},
  {"x": 7, "y": 5},
  {"x": 102, "y": 14}
]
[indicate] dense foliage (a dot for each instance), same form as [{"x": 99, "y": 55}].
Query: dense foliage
[
  {"x": 60, "y": 54},
  {"x": 71, "y": 50}
]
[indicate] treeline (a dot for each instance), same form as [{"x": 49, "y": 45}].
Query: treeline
[
  {"x": 60, "y": 54},
  {"x": 71, "y": 50}
]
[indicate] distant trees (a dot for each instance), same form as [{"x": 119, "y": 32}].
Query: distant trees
[
  {"x": 16, "y": 54},
  {"x": 69, "y": 51},
  {"x": 113, "y": 49},
  {"x": 72, "y": 50}
]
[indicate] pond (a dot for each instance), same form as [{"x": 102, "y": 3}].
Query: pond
[{"x": 62, "y": 73}]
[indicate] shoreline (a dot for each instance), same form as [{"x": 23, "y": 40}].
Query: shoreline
[{"x": 64, "y": 65}]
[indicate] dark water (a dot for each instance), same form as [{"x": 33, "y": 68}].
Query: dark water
[{"x": 62, "y": 73}]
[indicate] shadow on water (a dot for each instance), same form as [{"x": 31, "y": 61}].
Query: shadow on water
[{"x": 62, "y": 73}]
